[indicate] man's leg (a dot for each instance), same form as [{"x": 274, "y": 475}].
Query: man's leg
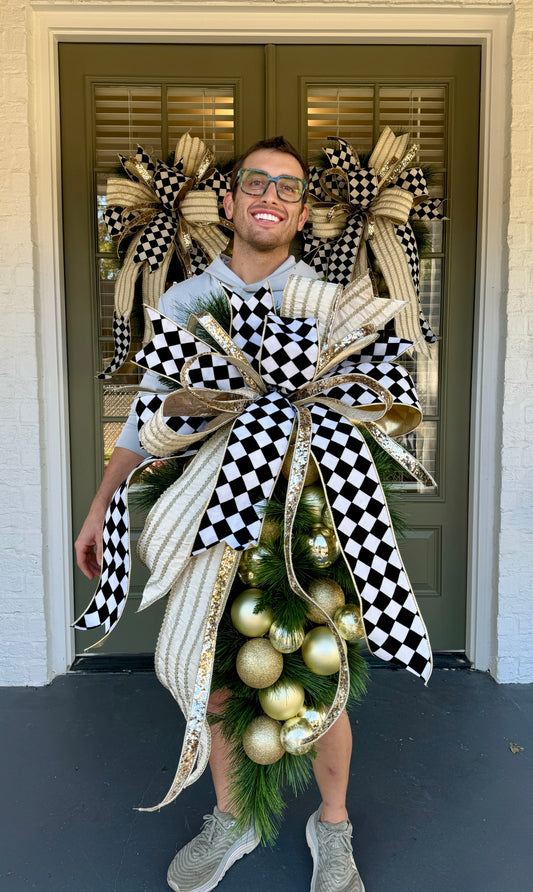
[
  {"x": 328, "y": 830},
  {"x": 219, "y": 759},
  {"x": 332, "y": 769}
]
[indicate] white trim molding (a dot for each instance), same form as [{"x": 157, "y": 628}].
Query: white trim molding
[{"x": 276, "y": 22}]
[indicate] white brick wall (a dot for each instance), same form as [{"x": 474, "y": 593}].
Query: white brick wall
[
  {"x": 23, "y": 642},
  {"x": 23, "y": 608}
]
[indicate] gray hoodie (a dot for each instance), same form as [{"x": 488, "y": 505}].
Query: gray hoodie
[{"x": 180, "y": 300}]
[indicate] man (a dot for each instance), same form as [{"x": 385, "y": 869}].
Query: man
[{"x": 266, "y": 203}]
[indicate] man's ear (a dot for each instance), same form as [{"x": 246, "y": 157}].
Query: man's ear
[
  {"x": 304, "y": 214},
  {"x": 227, "y": 201}
]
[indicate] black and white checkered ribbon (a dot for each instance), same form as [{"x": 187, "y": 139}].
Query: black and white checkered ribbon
[
  {"x": 121, "y": 340},
  {"x": 287, "y": 354}
]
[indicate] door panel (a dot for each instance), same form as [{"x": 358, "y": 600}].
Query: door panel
[
  {"x": 433, "y": 93},
  {"x": 115, "y": 97}
]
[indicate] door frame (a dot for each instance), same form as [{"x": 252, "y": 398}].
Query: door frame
[{"x": 273, "y": 23}]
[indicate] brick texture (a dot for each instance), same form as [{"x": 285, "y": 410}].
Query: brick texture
[{"x": 23, "y": 651}]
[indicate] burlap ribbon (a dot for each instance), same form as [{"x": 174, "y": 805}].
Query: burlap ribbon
[
  {"x": 352, "y": 206},
  {"x": 168, "y": 211}
]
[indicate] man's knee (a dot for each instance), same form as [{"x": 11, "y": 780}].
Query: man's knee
[{"x": 216, "y": 702}]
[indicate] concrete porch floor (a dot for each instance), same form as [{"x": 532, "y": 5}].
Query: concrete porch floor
[{"x": 438, "y": 800}]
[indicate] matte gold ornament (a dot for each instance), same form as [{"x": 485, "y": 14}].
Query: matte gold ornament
[
  {"x": 349, "y": 622},
  {"x": 282, "y": 700},
  {"x": 262, "y": 741},
  {"x": 293, "y": 732},
  {"x": 283, "y": 640},
  {"x": 270, "y": 531},
  {"x": 328, "y": 595},
  {"x": 312, "y": 471},
  {"x": 243, "y": 617},
  {"x": 314, "y": 499},
  {"x": 250, "y": 563},
  {"x": 323, "y": 546},
  {"x": 319, "y": 651},
  {"x": 315, "y": 715},
  {"x": 258, "y": 664}
]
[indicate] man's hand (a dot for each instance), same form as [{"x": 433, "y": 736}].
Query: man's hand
[
  {"x": 122, "y": 462},
  {"x": 90, "y": 537}
]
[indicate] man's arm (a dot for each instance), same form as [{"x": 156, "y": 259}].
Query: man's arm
[{"x": 122, "y": 462}]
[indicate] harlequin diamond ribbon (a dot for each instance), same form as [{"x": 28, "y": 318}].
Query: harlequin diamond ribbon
[
  {"x": 352, "y": 206},
  {"x": 168, "y": 210},
  {"x": 330, "y": 373}
]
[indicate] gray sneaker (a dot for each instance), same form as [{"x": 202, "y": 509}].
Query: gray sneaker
[
  {"x": 334, "y": 869},
  {"x": 200, "y": 865}
]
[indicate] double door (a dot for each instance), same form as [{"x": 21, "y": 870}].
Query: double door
[{"x": 115, "y": 97}]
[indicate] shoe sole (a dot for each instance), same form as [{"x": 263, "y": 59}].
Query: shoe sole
[
  {"x": 238, "y": 850},
  {"x": 312, "y": 842}
]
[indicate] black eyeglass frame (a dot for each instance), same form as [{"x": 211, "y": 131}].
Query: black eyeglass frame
[{"x": 275, "y": 180}]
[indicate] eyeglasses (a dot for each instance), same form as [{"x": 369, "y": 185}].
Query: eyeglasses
[{"x": 256, "y": 182}]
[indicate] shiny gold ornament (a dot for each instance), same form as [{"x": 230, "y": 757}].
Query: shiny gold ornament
[
  {"x": 270, "y": 531},
  {"x": 323, "y": 546},
  {"x": 319, "y": 651},
  {"x": 349, "y": 622},
  {"x": 328, "y": 595},
  {"x": 258, "y": 664},
  {"x": 262, "y": 741},
  {"x": 282, "y": 700},
  {"x": 249, "y": 564},
  {"x": 327, "y": 519},
  {"x": 293, "y": 732},
  {"x": 283, "y": 640},
  {"x": 314, "y": 500},
  {"x": 315, "y": 715},
  {"x": 243, "y": 617},
  {"x": 312, "y": 470}
]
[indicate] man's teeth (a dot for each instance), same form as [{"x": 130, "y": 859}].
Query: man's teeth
[{"x": 270, "y": 217}]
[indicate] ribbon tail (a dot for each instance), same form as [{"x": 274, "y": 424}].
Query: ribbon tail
[
  {"x": 400, "y": 455},
  {"x": 393, "y": 263},
  {"x": 154, "y": 285},
  {"x": 109, "y": 600},
  {"x": 170, "y": 529},
  {"x": 300, "y": 461},
  {"x": 394, "y": 627},
  {"x": 185, "y": 654},
  {"x": 124, "y": 295}
]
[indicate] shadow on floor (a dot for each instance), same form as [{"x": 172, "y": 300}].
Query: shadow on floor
[{"x": 438, "y": 800}]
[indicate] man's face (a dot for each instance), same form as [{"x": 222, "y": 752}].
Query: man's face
[{"x": 265, "y": 222}]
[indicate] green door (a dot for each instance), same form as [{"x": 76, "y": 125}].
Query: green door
[{"x": 113, "y": 97}]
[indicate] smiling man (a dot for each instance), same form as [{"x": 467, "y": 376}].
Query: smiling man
[{"x": 266, "y": 203}]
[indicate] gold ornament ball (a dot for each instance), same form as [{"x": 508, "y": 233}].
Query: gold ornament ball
[
  {"x": 323, "y": 546},
  {"x": 258, "y": 664},
  {"x": 270, "y": 530},
  {"x": 250, "y": 563},
  {"x": 319, "y": 651},
  {"x": 327, "y": 518},
  {"x": 328, "y": 595},
  {"x": 349, "y": 623},
  {"x": 315, "y": 715},
  {"x": 283, "y": 640},
  {"x": 312, "y": 471},
  {"x": 282, "y": 700},
  {"x": 262, "y": 741},
  {"x": 314, "y": 500},
  {"x": 243, "y": 617},
  {"x": 294, "y": 733}
]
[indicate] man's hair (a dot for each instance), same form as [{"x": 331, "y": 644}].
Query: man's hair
[{"x": 278, "y": 144}]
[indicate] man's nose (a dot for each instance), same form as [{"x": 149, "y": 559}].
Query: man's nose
[{"x": 271, "y": 194}]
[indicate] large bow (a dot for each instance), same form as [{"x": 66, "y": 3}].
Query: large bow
[
  {"x": 322, "y": 366},
  {"x": 351, "y": 206},
  {"x": 167, "y": 210}
]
